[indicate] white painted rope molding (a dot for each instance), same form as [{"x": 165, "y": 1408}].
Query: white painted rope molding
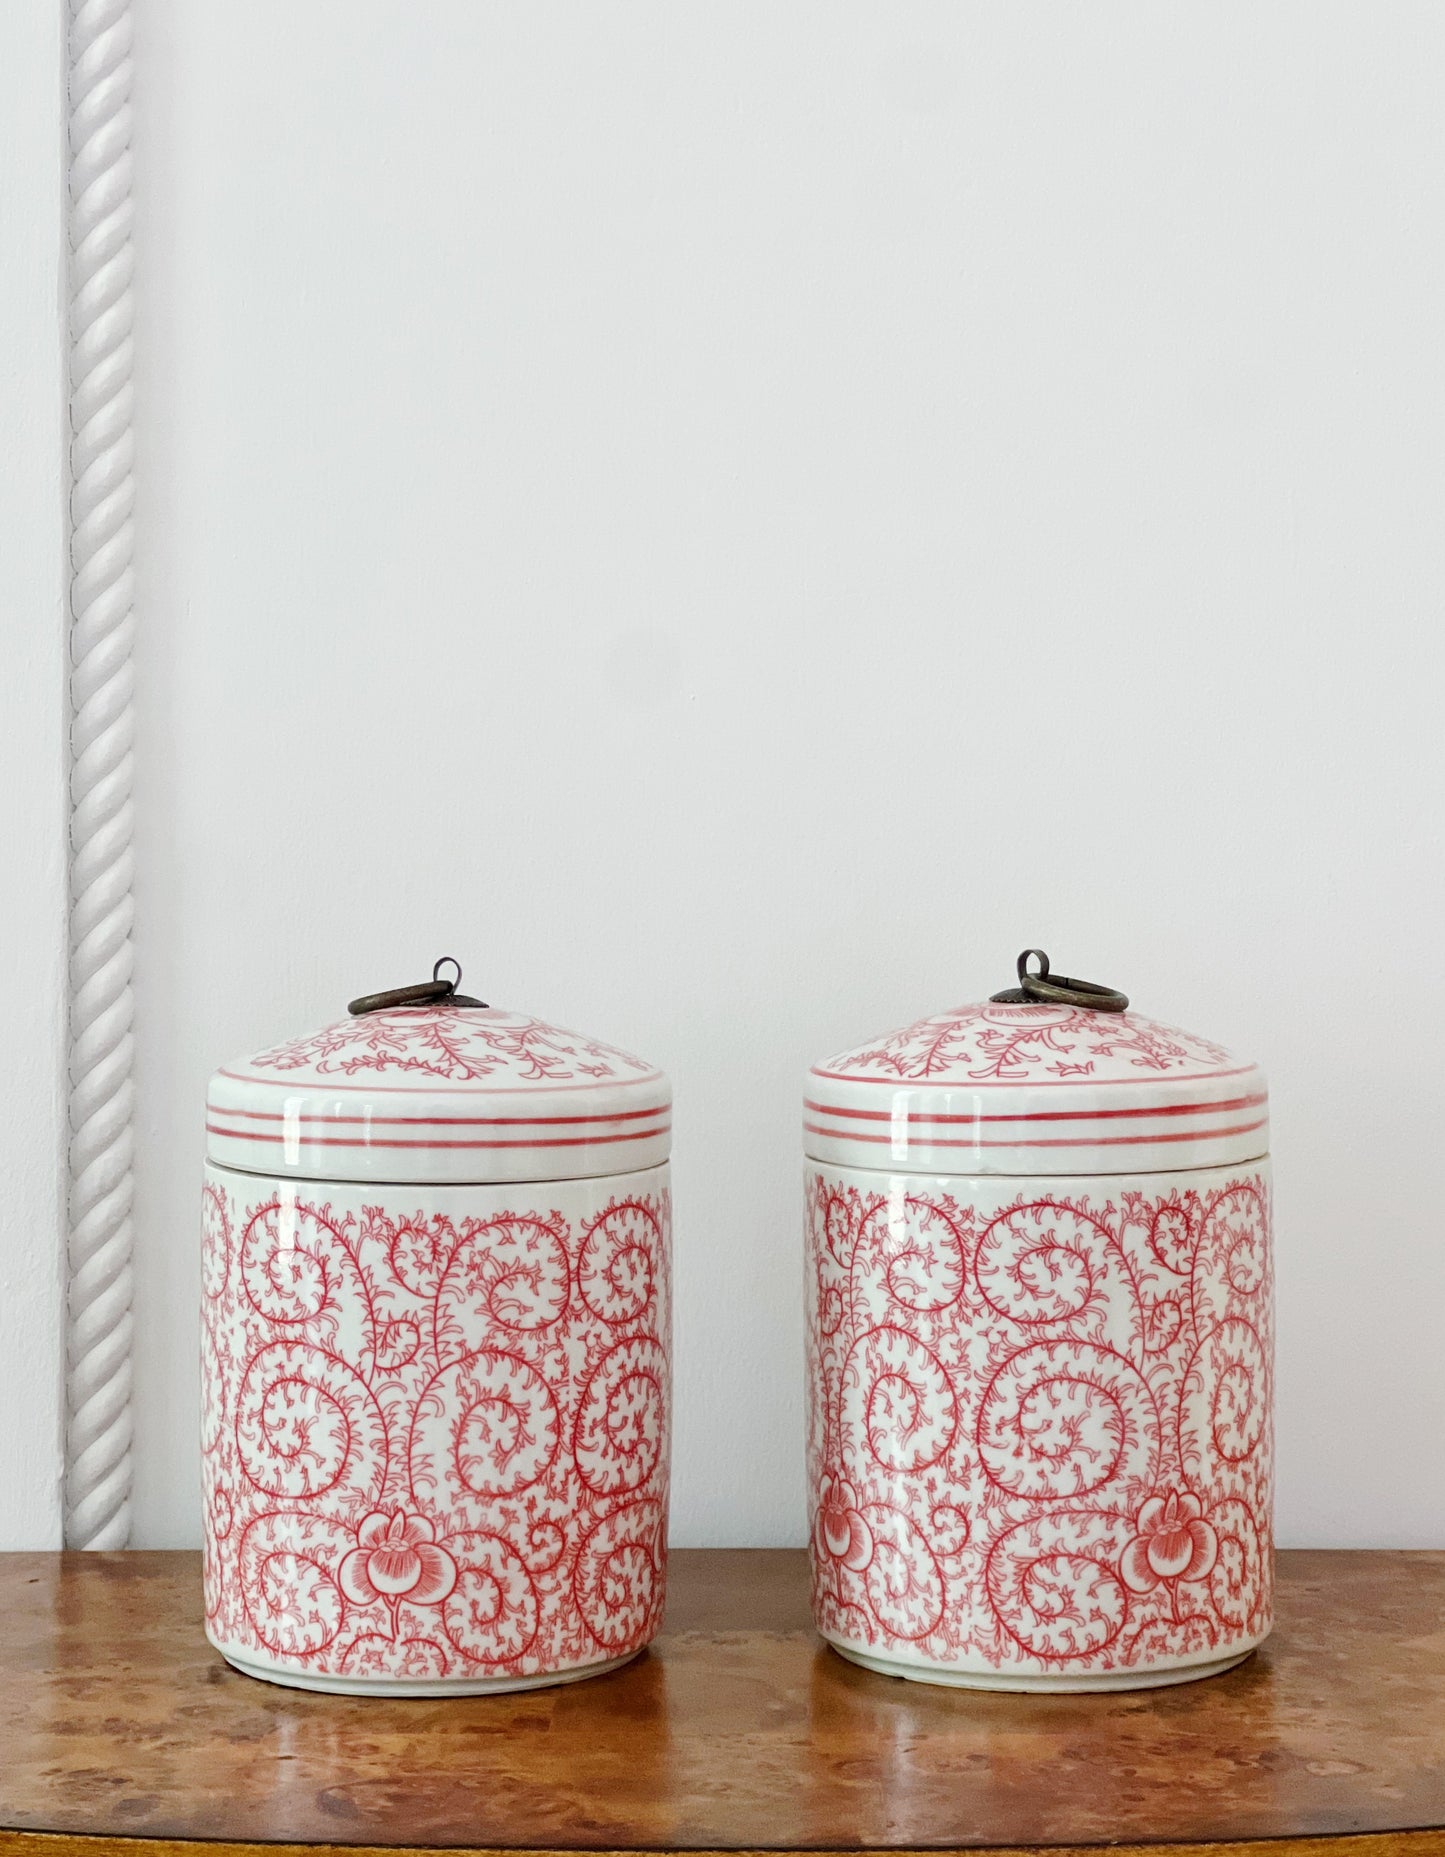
[{"x": 102, "y": 624}]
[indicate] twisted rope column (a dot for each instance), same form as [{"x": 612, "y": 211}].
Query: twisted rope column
[{"x": 102, "y": 623}]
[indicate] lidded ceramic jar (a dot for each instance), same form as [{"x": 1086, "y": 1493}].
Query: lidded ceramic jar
[
  {"x": 1040, "y": 1346},
  {"x": 436, "y": 1335}
]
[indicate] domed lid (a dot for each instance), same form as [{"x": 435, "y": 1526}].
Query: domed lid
[
  {"x": 1053, "y": 1076},
  {"x": 424, "y": 1084}
]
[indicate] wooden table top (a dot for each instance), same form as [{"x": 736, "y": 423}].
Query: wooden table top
[{"x": 737, "y": 1731}]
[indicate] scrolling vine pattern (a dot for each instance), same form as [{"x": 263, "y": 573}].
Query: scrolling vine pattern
[
  {"x": 455, "y": 1045},
  {"x": 1001, "y": 1043},
  {"x": 1039, "y": 1432},
  {"x": 434, "y": 1446}
]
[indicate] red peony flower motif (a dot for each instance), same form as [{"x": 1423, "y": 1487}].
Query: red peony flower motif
[
  {"x": 1173, "y": 1543},
  {"x": 398, "y": 1559},
  {"x": 839, "y": 1532}
]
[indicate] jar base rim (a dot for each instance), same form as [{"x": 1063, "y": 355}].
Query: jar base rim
[
  {"x": 1043, "y": 1682},
  {"x": 402, "y": 1687}
]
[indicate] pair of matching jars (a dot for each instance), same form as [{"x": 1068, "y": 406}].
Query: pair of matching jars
[{"x": 436, "y": 1349}]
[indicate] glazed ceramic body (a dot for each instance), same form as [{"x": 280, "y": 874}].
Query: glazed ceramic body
[
  {"x": 1040, "y": 1386},
  {"x": 436, "y": 1428},
  {"x": 1041, "y": 1452}
]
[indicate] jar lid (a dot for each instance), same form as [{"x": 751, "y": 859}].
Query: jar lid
[
  {"x": 1054, "y": 1076},
  {"x": 423, "y": 1084}
]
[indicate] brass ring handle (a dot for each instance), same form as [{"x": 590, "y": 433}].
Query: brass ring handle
[
  {"x": 433, "y": 992},
  {"x": 1048, "y": 989}
]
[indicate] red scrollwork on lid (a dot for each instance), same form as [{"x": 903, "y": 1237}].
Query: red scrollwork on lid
[
  {"x": 1001, "y": 1043},
  {"x": 1039, "y": 1431},
  {"x": 454, "y": 1045}
]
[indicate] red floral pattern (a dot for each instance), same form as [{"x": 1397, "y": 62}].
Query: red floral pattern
[
  {"x": 995, "y": 1042},
  {"x": 839, "y": 1531},
  {"x": 397, "y": 1558},
  {"x": 1172, "y": 1543},
  {"x": 1039, "y": 1424},
  {"x": 436, "y": 1439},
  {"x": 457, "y": 1044}
]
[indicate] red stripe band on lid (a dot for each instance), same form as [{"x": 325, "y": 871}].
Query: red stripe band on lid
[
  {"x": 458, "y": 1121},
  {"x": 1231, "y": 1106},
  {"x": 302, "y": 1138},
  {"x": 912, "y": 1141}
]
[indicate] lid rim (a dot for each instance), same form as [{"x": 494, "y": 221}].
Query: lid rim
[
  {"x": 1159, "y": 1080},
  {"x": 323, "y": 1086},
  {"x": 999, "y": 1173},
  {"x": 1030, "y": 1089},
  {"x": 328, "y": 1180},
  {"x": 439, "y": 1094}
]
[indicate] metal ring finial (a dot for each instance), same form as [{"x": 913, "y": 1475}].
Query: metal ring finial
[
  {"x": 1045, "y": 988},
  {"x": 433, "y": 992}
]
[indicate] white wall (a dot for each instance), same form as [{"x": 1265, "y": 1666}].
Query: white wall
[
  {"x": 733, "y": 519},
  {"x": 32, "y": 775}
]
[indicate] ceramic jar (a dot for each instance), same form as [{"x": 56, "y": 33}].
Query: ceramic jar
[
  {"x": 1040, "y": 1348},
  {"x": 435, "y": 1353}
]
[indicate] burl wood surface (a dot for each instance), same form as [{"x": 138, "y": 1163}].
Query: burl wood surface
[{"x": 738, "y": 1730}]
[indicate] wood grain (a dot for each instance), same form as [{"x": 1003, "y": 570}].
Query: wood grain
[
  {"x": 1367, "y": 1844},
  {"x": 737, "y": 1732}
]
